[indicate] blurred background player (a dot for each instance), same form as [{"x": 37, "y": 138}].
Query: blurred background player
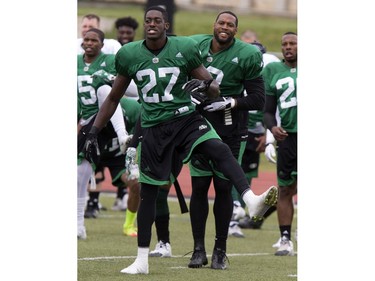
[
  {"x": 258, "y": 139},
  {"x": 95, "y": 72},
  {"x": 281, "y": 93},
  {"x": 126, "y": 29},
  {"x": 110, "y": 46}
]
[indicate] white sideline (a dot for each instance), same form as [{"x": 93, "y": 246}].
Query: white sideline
[{"x": 133, "y": 257}]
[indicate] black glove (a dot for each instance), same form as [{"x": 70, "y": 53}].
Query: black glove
[
  {"x": 91, "y": 147},
  {"x": 196, "y": 85},
  {"x": 198, "y": 98}
]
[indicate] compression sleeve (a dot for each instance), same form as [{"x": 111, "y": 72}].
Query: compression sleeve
[{"x": 255, "y": 98}]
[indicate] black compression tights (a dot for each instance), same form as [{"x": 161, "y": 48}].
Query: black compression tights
[
  {"x": 146, "y": 213},
  {"x": 222, "y": 156},
  {"x": 199, "y": 210}
]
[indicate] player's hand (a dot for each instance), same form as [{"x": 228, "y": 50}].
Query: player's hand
[
  {"x": 196, "y": 85},
  {"x": 102, "y": 74},
  {"x": 131, "y": 165},
  {"x": 198, "y": 98},
  {"x": 91, "y": 149},
  {"x": 124, "y": 142},
  {"x": 220, "y": 103},
  {"x": 270, "y": 153}
]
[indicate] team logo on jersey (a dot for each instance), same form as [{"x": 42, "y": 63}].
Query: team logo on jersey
[
  {"x": 235, "y": 60},
  {"x": 155, "y": 60},
  {"x": 179, "y": 55},
  {"x": 103, "y": 64},
  {"x": 209, "y": 59},
  {"x": 202, "y": 127},
  {"x": 86, "y": 68},
  {"x": 292, "y": 70}
]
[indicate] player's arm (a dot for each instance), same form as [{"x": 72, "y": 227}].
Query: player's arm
[
  {"x": 270, "y": 111},
  {"x": 255, "y": 98},
  {"x": 110, "y": 104},
  {"x": 209, "y": 86}
]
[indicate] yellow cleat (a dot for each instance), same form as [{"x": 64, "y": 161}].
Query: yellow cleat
[{"x": 130, "y": 231}]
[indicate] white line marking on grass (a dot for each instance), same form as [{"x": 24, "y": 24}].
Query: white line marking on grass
[
  {"x": 133, "y": 257},
  {"x": 292, "y": 275}
]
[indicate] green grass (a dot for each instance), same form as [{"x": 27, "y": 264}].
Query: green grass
[
  {"x": 110, "y": 251},
  {"x": 268, "y": 28}
]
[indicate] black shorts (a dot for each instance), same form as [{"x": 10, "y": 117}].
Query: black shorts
[
  {"x": 165, "y": 147},
  {"x": 250, "y": 158},
  {"x": 287, "y": 160},
  {"x": 201, "y": 166}
]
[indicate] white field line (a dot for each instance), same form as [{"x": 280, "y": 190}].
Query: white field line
[{"x": 133, "y": 257}]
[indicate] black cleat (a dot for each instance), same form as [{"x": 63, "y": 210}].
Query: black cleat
[
  {"x": 92, "y": 210},
  {"x": 219, "y": 259},
  {"x": 198, "y": 258},
  {"x": 252, "y": 223}
]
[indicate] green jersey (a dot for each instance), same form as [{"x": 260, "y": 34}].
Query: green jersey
[
  {"x": 87, "y": 86},
  {"x": 281, "y": 81},
  {"x": 255, "y": 122},
  {"x": 160, "y": 77},
  {"x": 230, "y": 68}
]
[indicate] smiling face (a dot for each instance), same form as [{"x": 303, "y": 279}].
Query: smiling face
[
  {"x": 88, "y": 23},
  {"x": 125, "y": 34},
  {"x": 289, "y": 48},
  {"x": 225, "y": 28},
  {"x": 155, "y": 25}
]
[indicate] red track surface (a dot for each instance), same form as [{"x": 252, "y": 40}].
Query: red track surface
[{"x": 259, "y": 185}]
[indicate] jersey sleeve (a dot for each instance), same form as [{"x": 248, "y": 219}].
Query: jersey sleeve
[{"x": 254, "y": 64}]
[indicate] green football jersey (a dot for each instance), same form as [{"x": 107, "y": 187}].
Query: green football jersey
[
  {"x": 160, "y": 78},
  {"x": 230, "y": 68},
  {"x": 255, "y": 122},
  {"x": 281, "y": 82},
  {"x": 87, "y": 86}
]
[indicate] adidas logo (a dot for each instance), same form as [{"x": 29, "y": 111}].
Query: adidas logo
[
  {"x": 202, "y": 127},
  {"x": 235, "y": 60},
  {"x": 179, "y": 55}
]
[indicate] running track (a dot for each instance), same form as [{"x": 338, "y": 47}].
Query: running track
[{"x": 259, "y": 185}]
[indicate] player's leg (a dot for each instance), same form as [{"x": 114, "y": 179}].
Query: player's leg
[
  {"x": 223, "y": 207},
  {"x": 228, "y": 165},
  {"x": 145, "y": 219},
  {"x": 287, "y": 179},
  {"x": 199, "y": 209},
  {"x": 163, "y": 246}
]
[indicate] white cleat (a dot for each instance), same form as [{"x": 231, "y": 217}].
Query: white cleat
[
  {"x": 286, "y": 247},
  {"x": 137, "y": 267},
  {"x": 238, "y": 211},
  {"x": 277, "y": 244},
  {"x": 163, "y": 250},
  {"x": 81, "y": 234},
  {"x": 261, "y": 203}
]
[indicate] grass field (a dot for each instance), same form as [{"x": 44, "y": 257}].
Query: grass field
[{"x": 106, "y": 251}]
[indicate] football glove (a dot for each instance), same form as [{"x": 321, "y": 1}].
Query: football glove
[
  {"x": 91, "y": 149},
  {"x": 220, "y": 103},
  {"x": 102, "y": 74},
  {"x": 131, "y": 165},
  {"x": 198, "y": 98},
  {"x": 124, "y": 142},
  {"x": 196, "y": 85},
  {"x": 270, "y": 153}
]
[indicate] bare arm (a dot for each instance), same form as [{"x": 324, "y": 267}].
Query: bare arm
[
  {"x": 109, "y": 106},
  {"x": 202, "y": 73}
]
